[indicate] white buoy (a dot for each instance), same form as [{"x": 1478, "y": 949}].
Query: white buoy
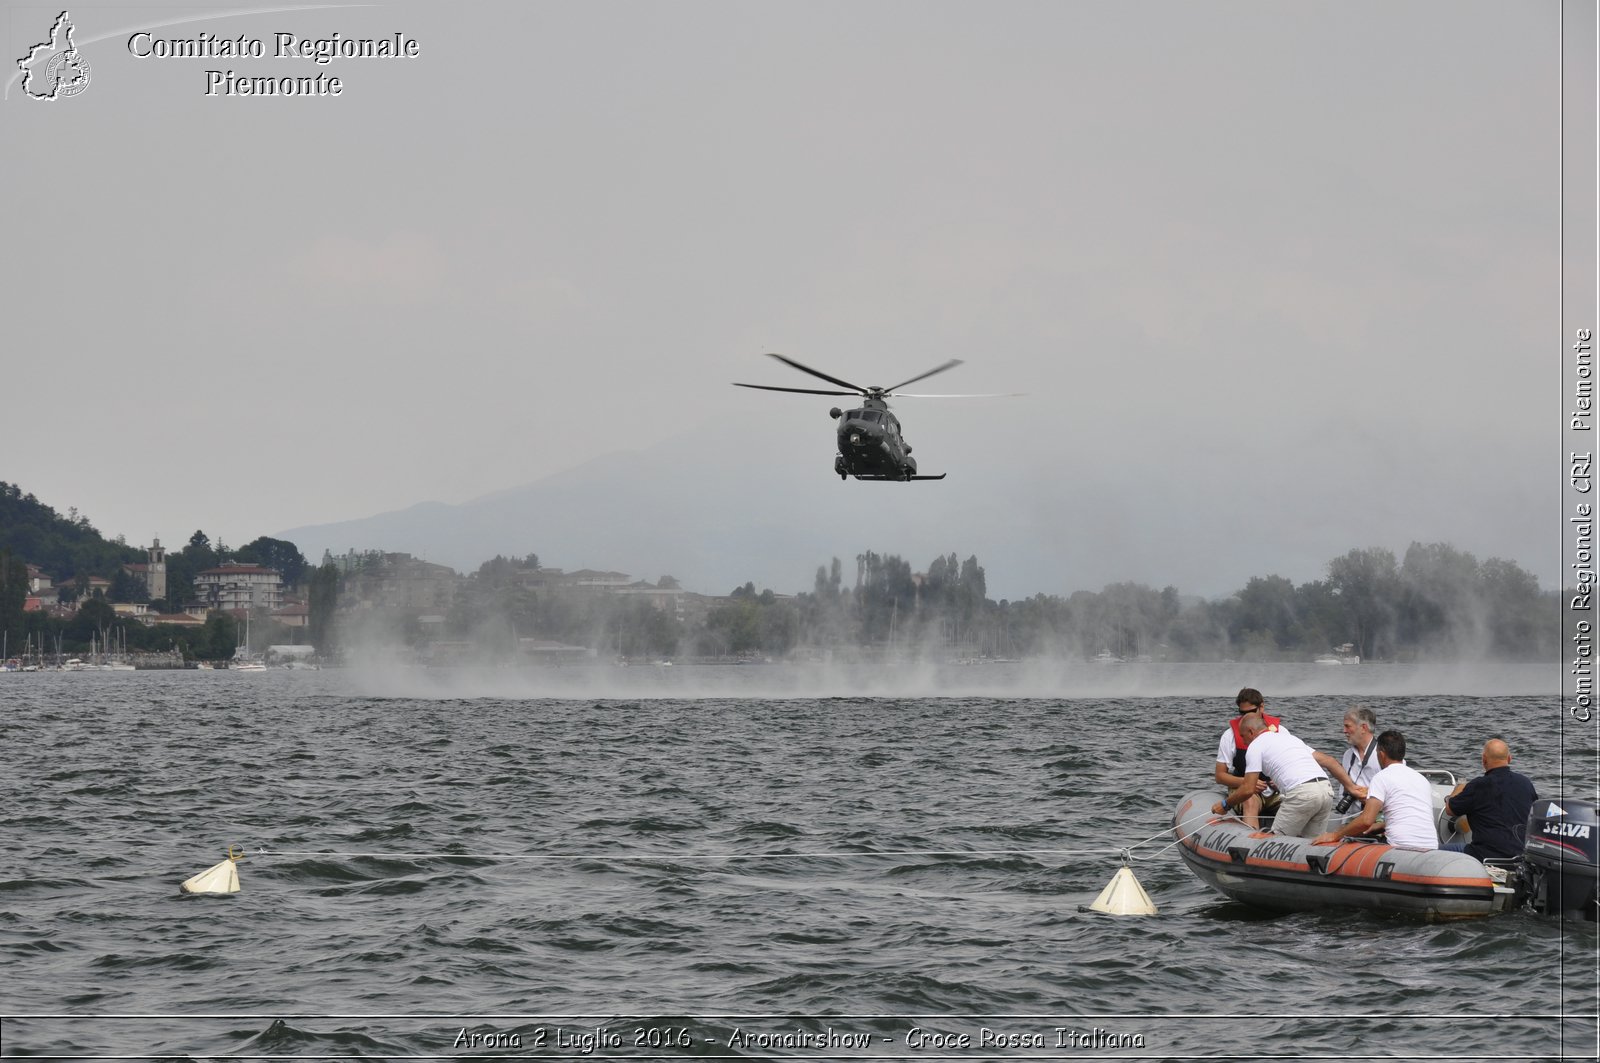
[
  {"x": 218, "y": 878},
  {"x": 1124, "y": 896}
]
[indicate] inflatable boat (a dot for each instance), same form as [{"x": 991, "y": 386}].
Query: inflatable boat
[{"x": 1277, "y": 871}]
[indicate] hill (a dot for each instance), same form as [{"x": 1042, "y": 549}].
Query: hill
[
  {"x": 752, "y": 498},
  {"x": 62, "y": 546}
]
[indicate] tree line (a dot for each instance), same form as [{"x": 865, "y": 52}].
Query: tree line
[
  {"x": 1433, "y": 602},
  {"x": 1436, "y": 602}
]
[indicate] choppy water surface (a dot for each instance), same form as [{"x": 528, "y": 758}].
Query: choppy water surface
[{"x": 640, "y": 933}]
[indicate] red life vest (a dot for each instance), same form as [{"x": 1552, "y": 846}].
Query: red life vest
[{"x": 1239, "y": 745}]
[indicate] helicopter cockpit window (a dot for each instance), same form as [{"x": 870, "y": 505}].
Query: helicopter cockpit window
[{"x": 870, "y": 415}]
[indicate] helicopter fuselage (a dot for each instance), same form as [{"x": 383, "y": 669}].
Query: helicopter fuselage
[{"x": 871, "y": 446}]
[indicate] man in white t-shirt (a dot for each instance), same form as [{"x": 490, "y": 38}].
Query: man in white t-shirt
[
  {"x": 1403, "y": 796},
  {"x": 1297, "y": 773}
]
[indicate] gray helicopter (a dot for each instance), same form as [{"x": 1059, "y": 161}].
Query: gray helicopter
[{"x": 871, "y": 445}]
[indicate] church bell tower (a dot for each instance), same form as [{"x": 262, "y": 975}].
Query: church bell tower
[{"x": 156, "y": 573}]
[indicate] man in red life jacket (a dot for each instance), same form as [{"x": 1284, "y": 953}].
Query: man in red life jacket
[{"x": 1230, "y": 759}]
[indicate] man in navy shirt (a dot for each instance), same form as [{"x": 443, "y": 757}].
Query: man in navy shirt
[{"x": 1496, "y": 805}]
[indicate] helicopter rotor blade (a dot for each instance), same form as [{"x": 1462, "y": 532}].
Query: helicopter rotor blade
[
  {"x": 989, "y": 395},
  {"x": 854, "y": 388},
  {"x": 951, "y": 364},
  {"x": 797, "y": 391}
]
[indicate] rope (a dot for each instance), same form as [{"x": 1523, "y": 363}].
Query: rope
[
  {"x": 1151, "y": 856},
  {"x": 1125, "y": 852},
  {"x": 671, "y": 857},
  {"x": 1197, "y": 817}
]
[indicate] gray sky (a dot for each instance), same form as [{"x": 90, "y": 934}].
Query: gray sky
[{"x": 1278, "y": 278}]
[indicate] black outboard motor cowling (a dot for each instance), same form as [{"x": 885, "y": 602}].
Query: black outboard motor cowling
[{"x": 1563, "y": 857}]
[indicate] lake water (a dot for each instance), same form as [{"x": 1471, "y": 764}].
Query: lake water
[{"x": 737, "y": 862}]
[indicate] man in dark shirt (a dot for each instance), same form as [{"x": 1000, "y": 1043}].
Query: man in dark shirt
[{"x": 1496, "y": 805}]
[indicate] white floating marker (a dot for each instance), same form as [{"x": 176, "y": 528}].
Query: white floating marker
[
  {"x": 218, "y": 878},
  {"x": 1124, "y": 896}
]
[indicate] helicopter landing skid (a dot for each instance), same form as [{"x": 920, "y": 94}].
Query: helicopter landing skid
[{"x": 941, "y": 476}]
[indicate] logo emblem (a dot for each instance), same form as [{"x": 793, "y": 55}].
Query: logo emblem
[
  {"x": 1554, "y": 810},
  {"x": 55, "y": 69},
  {"x": 1566, "y": 830}
]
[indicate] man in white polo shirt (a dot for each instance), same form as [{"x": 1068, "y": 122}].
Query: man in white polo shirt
[
  {"x": 1295, "y": 771},
  {"x": 1401, "y": 794}
]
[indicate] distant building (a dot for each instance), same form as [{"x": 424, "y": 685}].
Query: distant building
[
  {"x": 38, "y": 581},
  {"x": 588, "y": 578},
  {"x": 400, "y": 581},
  {"x": 176, "y": 619},
  {"x": 235, "y": 586},
  {"x": 153, "y": 570},
  {"x": 550, "y": 652},
  {"x": 353, "y": 560},
  {"x": 668, "y": 600},
  {"x": 93, "y": 586},
  {"x": 295, "y": 614},
  {"x": 539, "y": 579}
]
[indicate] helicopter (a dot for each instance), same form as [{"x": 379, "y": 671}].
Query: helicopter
[{"x": 871, "y": 446}]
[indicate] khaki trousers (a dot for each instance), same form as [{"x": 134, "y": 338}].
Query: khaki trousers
[{"x": 1305, "y": 809}]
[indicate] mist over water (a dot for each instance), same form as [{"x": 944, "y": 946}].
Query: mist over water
[
  {"x": 1035, "y": 678},
  {"x": 718, "y": 860}
]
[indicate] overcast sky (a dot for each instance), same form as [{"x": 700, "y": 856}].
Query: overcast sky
[{"x": 1302, "y": 253}]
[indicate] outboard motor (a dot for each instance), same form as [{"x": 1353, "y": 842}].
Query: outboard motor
[{"x": 1562, "y": 858}]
